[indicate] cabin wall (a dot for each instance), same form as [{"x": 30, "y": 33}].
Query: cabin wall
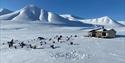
[
  {"x": 111, "y": 34},
  {"x": 99, "y": 34}
]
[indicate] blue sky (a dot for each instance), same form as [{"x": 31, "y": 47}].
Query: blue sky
[{"x": 82, "y": 8}]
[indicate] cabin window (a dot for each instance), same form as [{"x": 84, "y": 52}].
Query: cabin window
[{"x": 103, "y": 33}]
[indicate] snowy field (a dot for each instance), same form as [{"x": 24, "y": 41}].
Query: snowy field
[{"x": 83, "y": 50}]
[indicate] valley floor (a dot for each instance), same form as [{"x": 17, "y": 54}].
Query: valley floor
[{"x": 83, "y": 50}]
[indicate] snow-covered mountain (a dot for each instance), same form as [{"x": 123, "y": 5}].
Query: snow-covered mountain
[
  {"x": 4, "y": 11},
  {"x": 55, "y": 18},
  {"x": 105, "y": 20},
  {"x": 33, "y": 13},
  {"x": 29, "y": 12},
  {"x": 102, "y": 21}
]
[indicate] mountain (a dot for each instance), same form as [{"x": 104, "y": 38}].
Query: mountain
[
  {"x": 105, "y": 20},
  {"x": 4, "y": 11},
  {"x": 102, "y": 21},
  {"x": 70, "y": 17},
  {"x": 43, "y": 16},
  {"x": 33, "y": 13},
  {"x": 29, "y": 12}
]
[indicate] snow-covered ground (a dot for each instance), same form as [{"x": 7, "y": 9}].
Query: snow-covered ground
[{"x": 83, "y": 50}]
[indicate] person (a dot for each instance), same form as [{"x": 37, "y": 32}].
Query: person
[
  {"x": 71, "y": 43},
  {"x": 59, "y": 38},
  {"x": 22, "y": 44},
  {"x": 52, "y": 46},
  {"x": 30, "y": 46},
  {"x": 11, "y": 43},
  {"x": 15, "y": 47}
]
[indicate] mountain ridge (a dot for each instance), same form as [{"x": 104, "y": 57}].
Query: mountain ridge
[
  {"x": 33, "y": 13},
  {"x": 105, "y": 20}
]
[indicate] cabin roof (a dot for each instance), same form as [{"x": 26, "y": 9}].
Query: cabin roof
[{"x": 101, "y": 29}]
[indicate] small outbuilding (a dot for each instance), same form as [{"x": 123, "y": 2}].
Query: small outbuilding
[{"x": 102, "y": 33}]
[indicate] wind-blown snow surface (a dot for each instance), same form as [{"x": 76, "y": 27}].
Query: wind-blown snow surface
[{"x": 85, "y": 50}]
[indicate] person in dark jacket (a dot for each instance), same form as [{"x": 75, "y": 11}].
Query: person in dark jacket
[
  {"x": 59, "y": 38},
  {"x": 22, "y": 44},
  {"x": 11, "y": 43},
  {"x": 52, "y": 46}
]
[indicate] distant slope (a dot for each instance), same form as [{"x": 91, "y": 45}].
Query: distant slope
[
  {"x": 70, "y": 17},
  {"x": 9, "y": 16},
  {"x": 122, "y": 22},
  {"x": 107, "y": 21},
  {"x": 4, "y": 11},
  {"x": 57, "y": 19}
]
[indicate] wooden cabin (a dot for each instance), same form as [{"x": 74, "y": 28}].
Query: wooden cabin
[{"x": 102, "y": 33}]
